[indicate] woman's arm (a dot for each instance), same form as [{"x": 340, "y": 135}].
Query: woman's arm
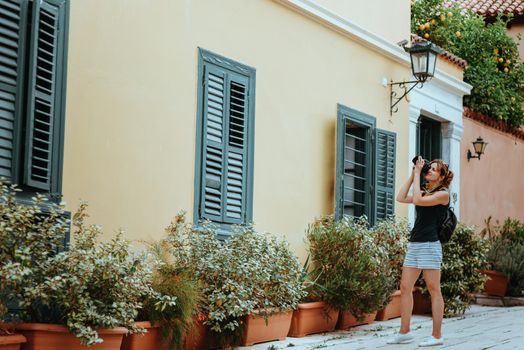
[
  {"x": 440, "y": 197},
  {"x": 402, "y": 195}
]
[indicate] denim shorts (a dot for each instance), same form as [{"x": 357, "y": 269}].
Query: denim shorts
[{"x": 424, "y": 255}]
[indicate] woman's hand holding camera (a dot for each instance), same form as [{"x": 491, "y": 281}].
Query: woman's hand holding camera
[{"x": 417, "y": 169}]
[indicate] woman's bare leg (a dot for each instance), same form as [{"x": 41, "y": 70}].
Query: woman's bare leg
[
  {"x": 432, "y": 278},
  {"x": 407, "y": 282}
]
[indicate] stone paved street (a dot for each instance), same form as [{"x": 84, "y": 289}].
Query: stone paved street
[{"x": 482, "y": 327}]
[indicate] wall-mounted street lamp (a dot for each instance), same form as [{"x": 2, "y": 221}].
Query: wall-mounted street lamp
[
  {"x": 423, "y": 60},
  {"x": 479, "y": 146}
]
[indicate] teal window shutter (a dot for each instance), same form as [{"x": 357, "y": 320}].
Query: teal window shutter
[
  {"x": 385, "y": 174},
  {"x": 224, "y": 165},
  {"x": 235, "y": 186},
  {"x": 13, "y": 24},
  {"x": 355, "y": 164},
  {"x": 45, "y": 97},
  {"x": 213, "y": 160}
]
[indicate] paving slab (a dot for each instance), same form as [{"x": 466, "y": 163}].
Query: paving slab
[{"x": 480, "y": 328}]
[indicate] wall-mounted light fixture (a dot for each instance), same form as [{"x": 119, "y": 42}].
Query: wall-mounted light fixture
[
  {"x": 423, "y": 60},
  {"x": 479, "y": 146}
]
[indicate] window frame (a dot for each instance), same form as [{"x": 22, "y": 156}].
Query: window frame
[
  {"x": 365, "y": 121},
  {"x": 374, "y": 135},
  {"x": 206, "y": 57}
]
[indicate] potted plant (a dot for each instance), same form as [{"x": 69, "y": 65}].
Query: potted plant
[
  {"x": 168, "y": 314},
  {"x": 87, "y": 295},
  {"x": 312, "y": 314},
  {"x": 29, "y": 235},
  {"x": 496, "y": 283},
  {"x": 505, "y": 258},
  {"x": 463, "y": 256},
  {"x": 10, "y": 341},
  {"x": 392, "y": 234},
  {"x": 248, "y": 280},
  {"x": 73, "y": 298},
  {"x": 351, "y": 267}
]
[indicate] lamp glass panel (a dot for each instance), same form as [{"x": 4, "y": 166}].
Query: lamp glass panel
[
  {"x": 419, "y": 60},
  {"x": 432, "y": 61},
  {"x": 478, "y": 146},
  {"x": 483, "y": 147}
]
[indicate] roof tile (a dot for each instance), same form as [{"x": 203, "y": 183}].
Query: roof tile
[
  {"x": 496, "y": 124},
  {"x": 491, "y": 8}
]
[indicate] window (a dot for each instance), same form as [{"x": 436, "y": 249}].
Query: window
[
  {"x": 365, "y": 181},
  {"x": 429, "y": 138},
  {"x": 33, "y": 56},
  {"x": 224, "y": 164}
]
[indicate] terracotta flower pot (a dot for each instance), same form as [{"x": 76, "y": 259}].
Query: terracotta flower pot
[
  {"x": 151, "y": 340},
  {"x": 497, "y": 283},
  {"x": 310, "y": 318},
  {"x": 43, "y": 336},
  {"x": 346, "y": 320},
  {"x": 257, "y": 330},
  {"x": 391, "y": 310},
  {"x": 421, "y": 302},
  {"x": 11, "y": 342},
  {"x": 199, "y": 338}
]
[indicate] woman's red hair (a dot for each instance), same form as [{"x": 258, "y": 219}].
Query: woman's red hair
[{"x": 443, "y": 169}]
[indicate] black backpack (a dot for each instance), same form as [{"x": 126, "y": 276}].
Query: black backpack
[{"x": 448, "y": 225}]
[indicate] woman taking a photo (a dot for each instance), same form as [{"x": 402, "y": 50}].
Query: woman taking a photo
[{"x": 424, "y": 252}]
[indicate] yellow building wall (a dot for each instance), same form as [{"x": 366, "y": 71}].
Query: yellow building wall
[
  {"x": 132, "y": 99},
  {"x": 387, "y": 18},
  {"x": 450, "y": 68}
]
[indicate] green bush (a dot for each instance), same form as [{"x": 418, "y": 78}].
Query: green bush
[
  {"x": 463, "y": 258},
  {"x": 352, "y": 269},
  {"x": 392, "y": 234},
  {"x": 248, "y": 271},
  {"x": 513, "y": 230},
  {"x": 172, "y": 282},
  {"x": 506, "y": 253},
  {"x": 92, "y": 285},
  {"x": 29, "y": 235},
  {"x": 89, "y": 286},
  {"x": 494, "y": 68},
  {"x": 507, "y": 257}
]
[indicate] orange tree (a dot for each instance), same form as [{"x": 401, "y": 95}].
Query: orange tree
[{"x": 494, "y": 68}]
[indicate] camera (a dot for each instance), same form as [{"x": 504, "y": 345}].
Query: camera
[{"x": 424, "y": 170}]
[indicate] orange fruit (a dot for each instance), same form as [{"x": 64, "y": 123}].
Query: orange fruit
[{"x": 426, "y": 36}]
